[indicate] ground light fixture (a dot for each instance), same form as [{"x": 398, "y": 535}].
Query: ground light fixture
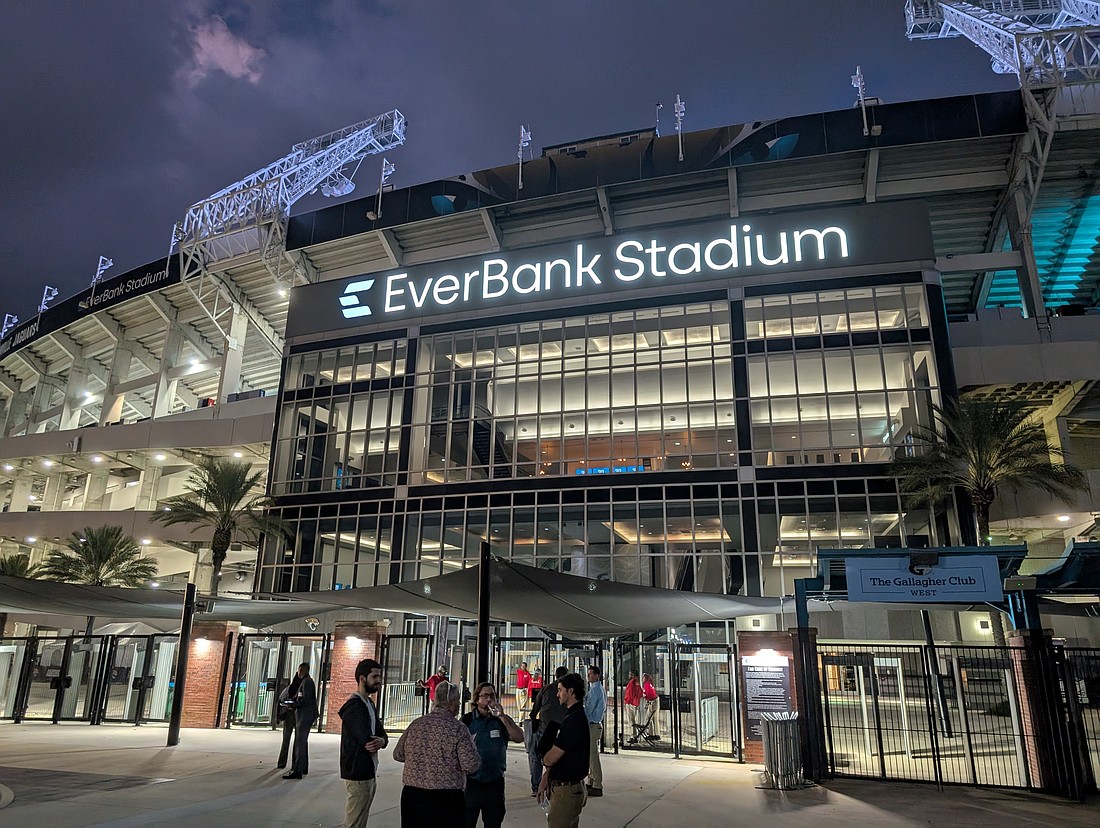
[{"x": 1063, "y": 518}]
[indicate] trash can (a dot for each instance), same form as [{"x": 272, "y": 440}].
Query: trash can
[{"x": 782, "y": 750}]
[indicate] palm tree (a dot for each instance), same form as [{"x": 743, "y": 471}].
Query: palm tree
[
  {"x": 100, "y": 557},
  {"x": 15, "y": 566},
  {"x": 18, "y": 566},
  {"x": 221, "y": 494},
  {"x": 980, "y": 447}
]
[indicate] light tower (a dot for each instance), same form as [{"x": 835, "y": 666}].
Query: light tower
[
  {"x": 248, "y": 219},
  {"x": 1053, "y": 48}
]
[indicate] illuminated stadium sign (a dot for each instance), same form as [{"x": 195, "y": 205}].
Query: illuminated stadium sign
[
  {"x": 679, "y": 258},
  {"x": 100, "y": 296}
]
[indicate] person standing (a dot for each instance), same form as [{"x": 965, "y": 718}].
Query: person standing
[
  {"x": 595, "y": 707},
  {"x": 546, "y": 713},
  {"x": 523, "y": 682},
  {"x": 652, "y": 705},
  {"x": 361, "y": 737},
  {"x": 632, "y": 699},
  {"x": 285, "y": 717},
  {"x": 492, "y": 729},
  {"x": 536, "y": 684},
  {"x": 438, "y": 753},
  {"x": 433, "y": 681},
  {"x": 565, "y": 764},
  {"x": 305, "y": 714}
]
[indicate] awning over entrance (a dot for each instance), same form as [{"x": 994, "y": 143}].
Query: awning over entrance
[
  {"x": 34, "y": 597},
  {"x": 555, "y": 601}
]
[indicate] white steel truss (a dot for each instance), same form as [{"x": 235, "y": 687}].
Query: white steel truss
[
  {"x": 1045, "y": 43},
  {"x": 249, "y": 218}
]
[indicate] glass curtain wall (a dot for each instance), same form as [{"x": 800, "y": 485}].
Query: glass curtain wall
[{"x": 646, "y": 400}]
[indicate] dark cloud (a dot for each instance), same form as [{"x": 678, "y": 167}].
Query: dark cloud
[{"x": 118, "y": 115}]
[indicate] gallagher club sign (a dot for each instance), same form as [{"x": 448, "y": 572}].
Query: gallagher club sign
[
  {"x": 679, "y": 257},
  {"x": 941, "y": 579}
]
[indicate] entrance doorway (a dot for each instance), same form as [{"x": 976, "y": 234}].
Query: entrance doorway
[
  {"x": 140, "y": 679},
  {"x": 264, "y": 666}
]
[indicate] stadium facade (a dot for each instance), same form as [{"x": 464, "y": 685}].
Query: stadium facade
[{"x": 689, "y": 374}]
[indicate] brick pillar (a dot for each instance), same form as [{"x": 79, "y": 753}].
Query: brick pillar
[
  {"x": 1055, "y": 760},
  {"x": 352, "y": 641},
  {"x": 207, "y": 680},
  {"x": 753, "y": 643}
]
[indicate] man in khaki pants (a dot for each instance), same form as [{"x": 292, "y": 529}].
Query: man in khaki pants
[
  {"x": 565, "y": 763},
  {"x": 595, "y": 707},
  {"x": 361, "y": 737}
]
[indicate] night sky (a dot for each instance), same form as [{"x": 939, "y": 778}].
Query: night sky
[{"x": 116, "y": 116}]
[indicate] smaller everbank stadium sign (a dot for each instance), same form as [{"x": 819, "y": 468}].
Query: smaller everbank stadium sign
[
  {"x": 683, "y": 257},
  {"x": 954, "y": 579},
  {"x": 106, "y": 294}
]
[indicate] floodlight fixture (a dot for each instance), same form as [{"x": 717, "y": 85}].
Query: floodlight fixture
[
  {"x": 657, "y": 123},
  {"x": 524, "y": 142},
  {"x": 48, "y": 295},
  {"x": 10, "y": 321},
  {"x": 104, "y": 264},
  {"x": 679, "y": 109}
]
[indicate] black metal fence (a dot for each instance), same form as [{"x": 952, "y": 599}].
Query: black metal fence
[{"x": 963, "y": 715}]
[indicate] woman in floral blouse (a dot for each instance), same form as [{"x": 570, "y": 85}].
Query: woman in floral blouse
[{"x": 438, "y": 753}]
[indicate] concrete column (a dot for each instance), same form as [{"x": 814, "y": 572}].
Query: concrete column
[
  {"x": 165, "y": 394},
  {"x": 43, "y": 396},
  {"x": 233, "y": 356},
  {"x": 95, "y": 489},
  {"x": 75, "y": 398},
  {"x": 149, "y": 488},
  {"x": 351, "y": 642},
  {"x": 21, "y": 490},
  {"x": 55, "y": 492},
  {"x": 206, "y": 679},
  {"x": 110, "y": 410},
  {"x": 202, "y": 572},
  {"x": 17, "y": 414}
]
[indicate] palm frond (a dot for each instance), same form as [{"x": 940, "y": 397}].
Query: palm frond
[
  {"x": 18, "y": 566},
  {"x": 103, "y": 556},
  {"x": 222, "y": 495}
]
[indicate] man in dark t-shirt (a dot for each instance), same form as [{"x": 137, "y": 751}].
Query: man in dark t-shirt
[{"x": 565, "y": 765}]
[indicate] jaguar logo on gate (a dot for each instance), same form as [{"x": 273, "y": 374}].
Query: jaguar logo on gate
[{"x": 352, "y": 307}]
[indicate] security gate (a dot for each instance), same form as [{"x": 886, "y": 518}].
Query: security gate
[
  {"x": 61, "y": 678},
  {"x": 406, "y": 659},
  {"x": 697, "y": 710},
  {"x": 652, "y": 727},
  {"x": 139, "y": 679},
  {"x": 264, "y": 666},
  {"x": 705, "y": 698}
]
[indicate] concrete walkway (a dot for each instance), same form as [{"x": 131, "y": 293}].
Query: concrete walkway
[{"x": 76, "y": 775}]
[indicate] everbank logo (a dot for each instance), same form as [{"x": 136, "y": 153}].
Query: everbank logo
[{"x": 632, "y": 262}]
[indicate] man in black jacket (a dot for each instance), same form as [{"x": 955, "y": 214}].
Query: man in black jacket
[
  {"x": 305, "y": 715},
  {"x": 361, "y": 737}
]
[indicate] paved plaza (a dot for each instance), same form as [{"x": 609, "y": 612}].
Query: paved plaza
[{"x": 76, "y": 775}]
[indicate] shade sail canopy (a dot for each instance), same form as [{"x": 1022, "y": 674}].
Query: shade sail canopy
[
  {"x": 29, "y": 596},
  {"x": 555, "y": 601}
]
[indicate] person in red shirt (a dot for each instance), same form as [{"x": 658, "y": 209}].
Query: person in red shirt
[
  {"x": 536, "y": 683},
  {"x": 652, "y": 704},
  {"x": 432, "y": 681},
  {"x": 632, "y": 699},
  {"x": 523, "y": 684}
]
